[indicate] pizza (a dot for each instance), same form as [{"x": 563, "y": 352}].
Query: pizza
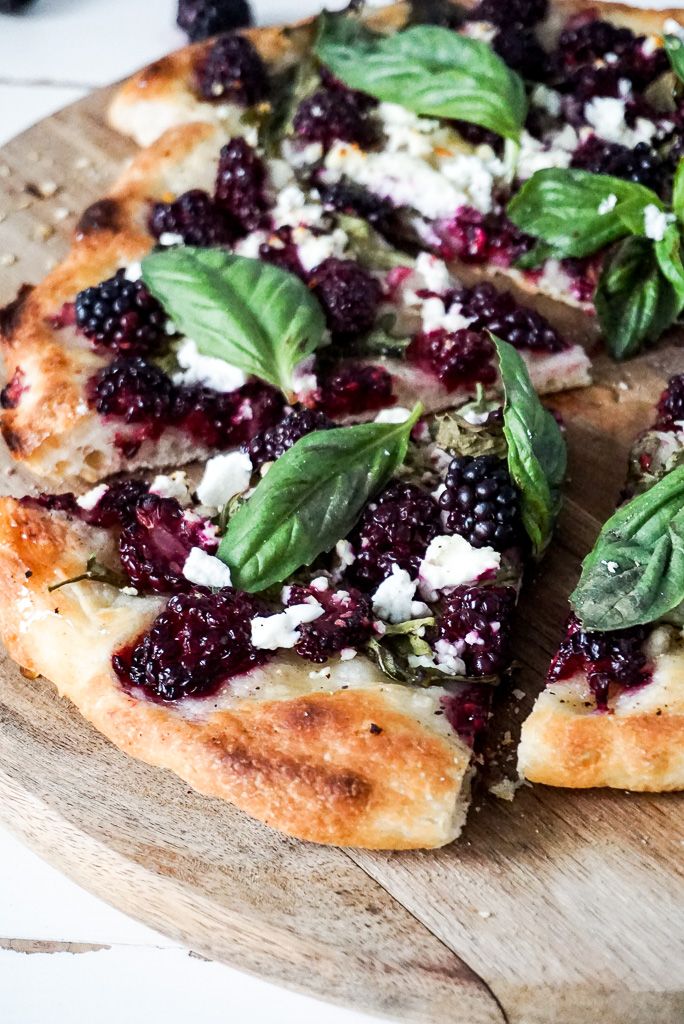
[{"x": 612, "y": 712}]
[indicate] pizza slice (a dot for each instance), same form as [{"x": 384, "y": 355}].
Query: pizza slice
[
  {"x": 312, "y": 627},
  {"x": 612, "y": 712}
]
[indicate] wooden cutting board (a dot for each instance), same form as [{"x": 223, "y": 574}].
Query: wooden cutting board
[{"x": 558, "y": 908}]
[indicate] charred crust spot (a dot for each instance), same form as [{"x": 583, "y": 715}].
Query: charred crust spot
[
  {"x": 303, "y": 715},
  {"x": 158, "y": 70},
  {"x": 13, "y": 440},
  {"x": 375, "y": 729},
  {"x": 10, "y": 315},
  {"x": 100, "y": 216}
]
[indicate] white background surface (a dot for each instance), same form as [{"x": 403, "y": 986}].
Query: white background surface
[{"x": 48, "y": 58}]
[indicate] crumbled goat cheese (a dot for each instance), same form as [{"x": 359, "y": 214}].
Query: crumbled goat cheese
[
  {"x": 536, "y": 155},
  {"x": 249, "y": 245},
  {"x": 607, "y": 204},
  {"x": 394, "y": 601},
  {"x": 433, "y": 272},
  {"x": 304, "y": 380},
  {"x": 656, "y": 222},
  {"x": 434, "y": 316},
  {"x": 298, "y": 155},
  {"x": 293, "y": 209},
  {"x": 198, "y": 369},
  {"x": 224, "y": 477},
  {"x": 606, "y": 114},
  {"x": 314, "y": 249},
  {"x": 170, "y": 238},
  {"x": 395, "y": 415},
  {"x": 347, "y": 653},
  {"x": 450, "y": 561},
  {"x": 345, "y": 553},
  {"x": 321, "y": 583},
  {"x": 405, "y": 131},
  {"x": 482, "y": 30},
  {"x": 546, "y": 99},
  {"x": 206, "y": 570},
  {"x": 448, "y": 660},
  {"x": 89, "y": 500},
  {"x": 269, "y": 632},
  {"x": 173, "y": 486},
  {"x": 133, "y": 271},
  {"x": 673, "y": 28}
]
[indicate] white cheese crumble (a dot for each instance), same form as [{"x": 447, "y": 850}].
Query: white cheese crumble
[
  {"x": 448, "y": 660},
  {"x": 89, "y": 500},
  {"x": 397, "y": 414},
  {"x": 198, "y": 369},
  {"x": 133, "y": 271},
  {"x": 656, "y": 222},
  {"x": 347, "y": 653},
  {"x": 607, "y": 204},
  {"x": 173, "y": 486},
  {"x": 535, "y": 155},
  {"x": 546, "y": 99},
  {"x": 269, "y": 632},
  {"x": 224, "y": 477},
  {"x": 673, "y": 28},
  {"x": 206, "y": 570},
  {"x": 405, "y": 131},
  {"x": 450, "y": 561},
  {"x": 314, "y": 249},
  {"x": 433, "y": 272},
  {"x": 394, "y": 601},
  {"x": 345, "y": 553},
  {"x": 435, "y": 316},
  {"x": 606, "y": 114},
  {"x": 293, "y": 209},
  {"x": 170, "y": 238}
]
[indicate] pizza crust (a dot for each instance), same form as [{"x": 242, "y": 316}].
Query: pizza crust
[{"x": 286, "y": 745}]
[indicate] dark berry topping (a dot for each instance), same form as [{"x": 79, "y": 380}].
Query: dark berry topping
[
  {"x": 132, "y": 390},
  {"x": 117, "y": 505},
  {"x": 476, "y": 237},
  {"x": 352, "y": 389},
  {"x": 10, "y": 396},
  {"x": 346, "y": 197},
  {"x": 459, "y": 359},
  {"x": 223, "y": 420},
  {"x": 120, "y": 315},
  {"x": 240, "y": 184},
  {"x": 477, "y": 620},
  {"x": 513, "y": 12},
  {"x": 395, "y": 528},
  {"x": 154, "y": 547},
  {"x": 640, "y": 164},
  {"x": 499, "y": 313},
  {"x": 348, "y": 294},
  {"x": 520, "y": 49},
  {"x": 274, "y": 442},
  {"x": 233, "y": 70},
  {"x": 331, "y": 114},
  {"x": 586, "y": 41},
  {"x": 606, "y": 658},
  {"x": 198, "y": 642},
  {"x": 481, "y": 502},
  {"x": 468, "y": 712},
  {"x": 346, "y": 622},
  {"x": 476, "y": 135},
  {"x": 281, "y": 251},
  {"x": 196, "y": 217},
  {"x": 200, "y": 19},
  {"x": 671, "y": 404}
]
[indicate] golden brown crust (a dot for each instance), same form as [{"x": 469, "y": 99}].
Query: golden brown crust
[{"x": 302, "y": 759}]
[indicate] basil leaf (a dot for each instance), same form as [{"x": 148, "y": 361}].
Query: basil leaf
[
  {"x": 368, "y": 245},
  {"x": 635, "y": 573},
  {"x": 678, "y": 192},
  {"x": 429, "y": 70},
  {"x": 254, "y": 315},
  {"x": 634, "y": 301},
  {"x": 561, "y": 206},
  {"x": 309, "y": 499},
  {"x": 537, "y": 454},
  {"x": 668, "y": 252},
  {"x": 675, "y": 51}
]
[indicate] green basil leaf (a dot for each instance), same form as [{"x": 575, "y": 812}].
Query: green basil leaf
[
  {"x": 635, "y": 572},
  {"x": 537, "y": 454},
  {"x": 254, "y": 315},
  {"x": 634, "y": 301},
  {"x": 309, "y": 499},
  {"x": 668, "y": 252},
  {"x": 678, "y": 192},
  {"x": 429, "y": 70},
  {"x": 631, "y": 213},
  {"x": 369, "y": 247},
  {"x": 561, "y": 206},
  {"x": 675, "y": 51}
]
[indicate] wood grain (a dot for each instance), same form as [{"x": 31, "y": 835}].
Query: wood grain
[{"x": 560, "y": 907}]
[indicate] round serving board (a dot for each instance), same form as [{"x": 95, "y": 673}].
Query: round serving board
[{"x": 558, "y": 908}]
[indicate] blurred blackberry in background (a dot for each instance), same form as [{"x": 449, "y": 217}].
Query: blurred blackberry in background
[{"x": 202, "y": 18}]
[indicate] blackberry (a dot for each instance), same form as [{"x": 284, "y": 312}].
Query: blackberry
[
  {"x": 394, "y": 528},
  {"x": 347, "y": 197},
  {"x": 121, "y": 315},
  {"x": 476, "y": 237},
  {"x": 233, "y": 70},
  {"x": 476, "y": 135},
  {"x": 587, "y": 41},
  {"x": 481, "y": 502},
  {"x": 10, "y": 396},
  {"x": 478, "y": 621},
  {"x": 154, "y": 546},
  {"x": 468, "y": 712},
  {"x": 274, "y": 442},
  {"x": 640, "y": 164},
  {"x": 196, "y": 217},
  {"x": 240, "y": 185},
  {"x": 346, "y": 622},
  {"x": 132, "y": 389},
  {"x": 329, "y": 115},
  {"x": 520, "y": 49},
  {"x": 353, "y": 389},
  {"x": 499, "y": 313},
  {"x": 198, "y": 642},
  {"x": 459, "y": 359},
  {"x": 223, "y": 420},
  {"x": 613, "y": 657},
  {"x": 671, "y": 403},
  {"x": 510, "y": 14},
  {"x": 200, "y": 19},
  {"x": 349, "y": 295},
  {"x": 286, "y": 255},
  {"x": 117, "y": 505}
]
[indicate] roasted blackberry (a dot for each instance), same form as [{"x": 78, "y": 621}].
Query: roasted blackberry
[
  {"x": 10, "y": 396},
  {"x": 241, "y": 183},
  {"x": 131, "y": 389},
  {"x": 282, "y": 253},
  {"x": 202, "y": 18},
  {"x": 198, "y": 642},
  {"x": 520, "y": 49},
  {"x": 349, "y": 295},
  {"x": 476, "y": 135},
  {"x": 671, "y": 404},
  {"x": 196, "y": 217},
  {"x": 499, "y": 313},
  {"x": 223, "y": 420},
  {"x": 613, "y": 657},
  {"x": 395, "y": 528},
  {"x": 586, "y": 41},
  {"x": 121, "y": 315},
  {"x": 459, "y": 359},
  {"x": 233, "y": 70},
  {"x": 274, "y": 442},
  {"x": 347, "y": 197},
  {"x": 481, "y": 502},
  {"x": 477, "y": 620},
  {"x": 640, "y": 164},
  {"x": 329, "y": 115},
  {"x": 468, "y": 711},
  {"x": 509, "y": 14},
  {"x": 117, "y": 505},
  {"x": 476, "y": 237},
  {"x": 353, "y": 389},
  {"x": 346, "y": 622}
]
